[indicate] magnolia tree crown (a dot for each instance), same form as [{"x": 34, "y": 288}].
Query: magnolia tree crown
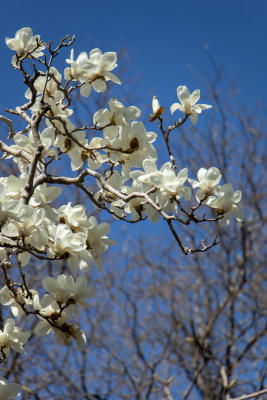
[{"x": 120, "y": 158}]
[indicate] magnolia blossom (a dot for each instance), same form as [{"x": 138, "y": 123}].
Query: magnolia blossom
[
  {"x": 113, "y": 179},
  {"x": 226, "y": 203},
  {"x": 118, "y": 115},
  {"x": 171, "y": 185},
  {"x": 138, "y": 207},
  {"x": 27, "y": 143},
  {"x": 97, "y": 241},
  {"x": 70, "y": 146},
  {"x": 80, "y": 68},
  {"x": 23, "y": 43},
  {"x": 64, "y": 289},
  {"x": 64, "y": 243},
  {"x": 7, "y": 299},
  {"x": 13, "y": 186},
  {"x": 136, "y": 145},
  {"x": 8, "y": 208},
  {"x": 59, "y": 323},
  {"x": 50, "y": 84},
  {"x": 92, "y": 71},
  {"x": 8, "y": 391},
  {"x": 75, "y": 217},
  {"x": 13, "y": 337},
  {"x": 208, "y": 180},
  {"x": 188, "y": 103},
  {"x": 31, "y": 224}
]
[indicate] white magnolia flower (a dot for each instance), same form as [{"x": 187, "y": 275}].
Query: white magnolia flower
[
  {"x": 138, "y": 207},
  {"x": 80, "y": 68},
  {"x": 13, "y": 337},
  {"x": 9, "y": 391},
  {"x": 51, "y": 88},
  {"x": 24, "y": 42},
  {"x": 118, "y": 115},
  {"x": 150, "y": 175},
  {"x": 188, "y": 103},
  {"x": 97, "y": 241},
  {"x": 63, "y": 242},
  {"x": 104, "y": 63},
  {"x": 56, "y": 110},
  {"x": 136, "y": 145},
  {"x": 31, "y": 224},
  {"x": 113, "y": 179},
  {"x": 43, "y": 195},
  {"x": 14, "y": 186},
  {"x": 75, "y": 217},
  {"x": 92, "y": 71},
  {"x": 81, "y": 291},
  {"x": 63, "y": 331},
  {"x": 171, "y": 185},
  {"x": 226, "y": 203},
  {"x": 74, "y": 151},
  {"x": 64, "y": 289},
  {"x": 7, "y": 299},
  {"x": 208, "y": 181},
  {"x": 96, "y": 158},
  {"x": 27, "y": 143},
  {"x": 9, "y": 208}
]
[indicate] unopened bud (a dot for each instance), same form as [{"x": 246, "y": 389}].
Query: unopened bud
[{"x": 155, "y": 105}]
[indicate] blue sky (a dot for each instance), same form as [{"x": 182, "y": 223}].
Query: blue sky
[{"x": 163, "y": 38}]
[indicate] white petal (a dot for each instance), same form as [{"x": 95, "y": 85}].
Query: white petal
[
  {"x": 201, "y": 175},
  {"x": 227, "y": 190},
  {"x": 194, "y": 97},
  {"x": 176, "y": 106},
  {"x": 237, "y": 196},
  {"x": 108, "y": 61},
  {"x": 81, "y": 340},
  {"x": 194, "y": 118},
  {"x": 99, "y": 85},
  {"x": 149, "y": 166},
  {"x": 110, "y": 132},
  {"x": 238, "y": 213},
  {"x": 24, "y": 258},
  {"x": 225, "y": 220},
  {"x": 49, "y": 284},
  {"x": 183, "y": 93},
  {"x": 42, "y": 328},
  {"x": 204, "y": 106},
  {"x": 112, "y": 77},
  {"x": 85, "y": 90}
]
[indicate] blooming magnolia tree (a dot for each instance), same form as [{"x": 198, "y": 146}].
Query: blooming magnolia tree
[{"x": 119, "y": 162}]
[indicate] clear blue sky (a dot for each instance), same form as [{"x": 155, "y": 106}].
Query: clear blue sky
[{"x": 164, "y": 37}]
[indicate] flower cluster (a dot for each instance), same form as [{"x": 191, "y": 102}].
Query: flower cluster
[{"x": 117, "y": 171}]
